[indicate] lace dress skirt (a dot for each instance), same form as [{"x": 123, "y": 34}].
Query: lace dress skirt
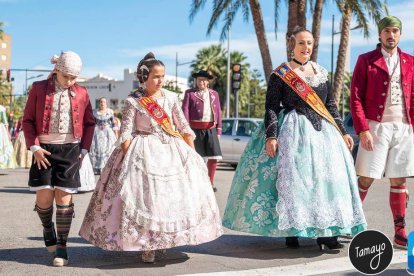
[
  {"x": 7, "y": 158},
  {"x": 24, "y": 157},
  {"x": 87, "y": 177},
  {"x": 102, "y": 146},
  {"x": 156, "y": 196},
  {"x": 308, "y": 190}
]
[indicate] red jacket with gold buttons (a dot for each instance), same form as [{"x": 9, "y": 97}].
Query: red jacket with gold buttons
[
  {"x": 38, "y": 110},
  {"x": 370, "y": 85}
]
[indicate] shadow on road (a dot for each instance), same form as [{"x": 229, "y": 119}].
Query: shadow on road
[
  {"x": 16, "y": 190},
  {"x": 257, "y": 247},
  {"x": 233, "y": 246},
  {"x": 71, "y": 240},
  {"x": 91, "y": 257}
]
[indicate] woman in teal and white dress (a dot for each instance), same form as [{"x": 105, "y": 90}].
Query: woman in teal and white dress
[{"x": 308, "y": 187}]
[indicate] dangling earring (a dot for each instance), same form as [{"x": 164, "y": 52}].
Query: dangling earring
[{"x": 292, "y": 55}]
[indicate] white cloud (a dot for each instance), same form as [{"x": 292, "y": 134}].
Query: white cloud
[{"x": 186, "y": 52}]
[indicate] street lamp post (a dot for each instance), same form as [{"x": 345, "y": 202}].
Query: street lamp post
[{"x": 30, "y": 78}]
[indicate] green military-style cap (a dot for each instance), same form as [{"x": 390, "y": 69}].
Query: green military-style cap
[{"x": 389, "y": 21}]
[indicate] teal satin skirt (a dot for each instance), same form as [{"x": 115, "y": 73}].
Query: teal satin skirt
[{"x": 308, "y": 190}]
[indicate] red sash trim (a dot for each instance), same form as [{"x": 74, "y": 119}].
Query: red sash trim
[
  {"x": 305, "y": 92},
  {"x": 156, "y": 112},
  {"x": 202, "y": 125}
]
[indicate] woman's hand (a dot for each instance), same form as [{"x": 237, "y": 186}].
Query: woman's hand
[
  {"x": 125, "y": 146},
  {"x": 271, "y": 146},
  {"x": 40, "y": 158},
  {"x": 349, "y": 141},
  {"x": 189, "y": 140},
  {"x": 367, "y": 142}
]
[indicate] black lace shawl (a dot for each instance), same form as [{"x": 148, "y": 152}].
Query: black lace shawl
[{"x": 280, "y": 96}]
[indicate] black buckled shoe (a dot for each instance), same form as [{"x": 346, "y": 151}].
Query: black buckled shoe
[
  {"x": 329, "y": 242},
  {"x": 292, "y": 242},
  {"x": 61, "y": 257}
]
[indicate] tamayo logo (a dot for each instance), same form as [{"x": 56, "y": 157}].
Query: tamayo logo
[{"x": 370, "y": 252}]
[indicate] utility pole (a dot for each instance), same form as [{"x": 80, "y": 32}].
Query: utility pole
[{"x": 228, "y": 67}]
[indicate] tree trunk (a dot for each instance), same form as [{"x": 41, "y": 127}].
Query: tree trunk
[
  {"x": 301, "y": 17},
  {"x": 316, "y": 28},
  {"x": 292, "y": 22},
  {"x": 261, "y": 37},
  {"x": 342, "y": 51}
]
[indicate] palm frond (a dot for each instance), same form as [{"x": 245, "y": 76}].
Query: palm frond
[
  {"x": 220, "y": 7},
  {"x": 246, "y": 10},
  {"x": 196, "y": 6},
  {"x": 276, "y": 15}
]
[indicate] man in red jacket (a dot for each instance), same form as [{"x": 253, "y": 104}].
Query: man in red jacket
[
  {"x": 382, "y": 105},
  {"x": 58, "y": 126}
]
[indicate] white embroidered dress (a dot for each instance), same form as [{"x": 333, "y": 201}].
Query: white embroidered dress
[{"x": 157, "y": 195}]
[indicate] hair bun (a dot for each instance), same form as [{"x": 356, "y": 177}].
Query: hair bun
[{"x": 150, "y": 55}]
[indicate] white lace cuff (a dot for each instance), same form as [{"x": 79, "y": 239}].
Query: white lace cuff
[{"x": 189, "y": 131}]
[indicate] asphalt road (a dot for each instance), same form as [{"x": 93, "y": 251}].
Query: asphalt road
[{"x": 22, "y": 251}]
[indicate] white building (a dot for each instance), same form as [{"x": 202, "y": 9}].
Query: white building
[{"x": 115, "y": 91}]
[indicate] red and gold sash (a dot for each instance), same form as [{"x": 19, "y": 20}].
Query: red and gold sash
[
  {"x": 156, "y": 112},
  {"x": 305, "y": 92}
]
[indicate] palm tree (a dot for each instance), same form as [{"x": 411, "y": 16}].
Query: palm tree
[
  {"x": 375, "y": 9},
  {"x": 301, "y": 13},
  {"x": 4, "y": 93},
  {"x": 316, "y": 27},
  {"x": 213, "y": 59},
  {"x": 229, "y": 8},
  {"x": 346, "y": 94},
  {"x": 261, "y": 37},
  {"x": 296, "y": 17},
  {"x": 1, "y": 30},
  {"x": 210, "y": 59}
]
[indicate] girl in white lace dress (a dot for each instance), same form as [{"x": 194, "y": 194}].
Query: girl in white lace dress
[{"x": 156, "y": 194}]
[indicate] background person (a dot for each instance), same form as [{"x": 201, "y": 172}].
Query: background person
[{"x": 201, "y": 107}]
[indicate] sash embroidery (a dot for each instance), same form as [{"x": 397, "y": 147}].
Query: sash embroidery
[
  {"x": 156, "y": 112},
  {"x": 305, "y": 92}
]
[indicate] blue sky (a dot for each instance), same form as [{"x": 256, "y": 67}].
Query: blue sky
[{"x": 113, "y": 35}]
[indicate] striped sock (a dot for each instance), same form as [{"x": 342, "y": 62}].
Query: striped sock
[
  {"x": 64, "y": 214},
  {"x": 45, "y": 216}
]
